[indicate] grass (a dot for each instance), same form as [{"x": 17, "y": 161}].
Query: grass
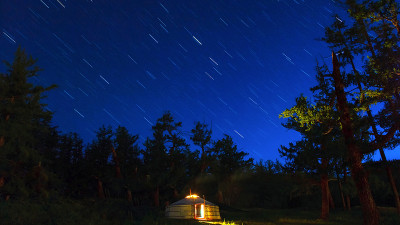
[
  {"x": 120, "y": 212},
  {"x": 305, "y": 216}
]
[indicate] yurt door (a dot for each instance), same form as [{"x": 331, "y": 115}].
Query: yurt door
[{"x": 199, "y": 211}]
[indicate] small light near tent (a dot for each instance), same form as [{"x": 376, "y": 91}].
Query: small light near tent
[{"x": 192, "y": 196}]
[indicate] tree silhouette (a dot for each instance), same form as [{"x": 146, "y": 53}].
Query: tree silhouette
[
  {"x": 22, "y": 114},
  {"x": 228, "y": 161},
  {"x": 69, "y": 164},
  {"x": 97, "y": 157},
  {"x": 166, "y": 156},
  {"x": 354, "y": 40},
  {"x": 321, "y": 144},
  {"x": 201, "y": 136}
]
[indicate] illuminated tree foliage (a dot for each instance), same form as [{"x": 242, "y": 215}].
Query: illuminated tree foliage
[
  {"x": 357, "y": 40},
  {"x": 321, "y": 145},
  {"x": 372, "y": 37}
]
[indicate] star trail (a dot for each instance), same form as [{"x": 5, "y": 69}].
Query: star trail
[{"x": 235, "y": 65}]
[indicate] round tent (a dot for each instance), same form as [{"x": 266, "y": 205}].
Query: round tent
[{"x": 193, "y": 207}]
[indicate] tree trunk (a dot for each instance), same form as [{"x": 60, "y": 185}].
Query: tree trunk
[
  {"x": 341, "y": 192},
  {"x": 107, "y": 192},
  {"x": 203, "y": 165},
  {"x": 331, "y": 202},
  {"x": 100, "y": 190},
  {"x": 324, "y": 188},
  {"x": 157, "y": 197},
  {"x": 375, "y": 131},
  {"x": 7, "y": 117},
  {"x": 366, "y": 35},
  {"x": 347, "y": 195},
  {"x": 203, "y": 160},
  {"x": 325, "y": 196},
  {"x": 116, "y": 161},
  {"x": 370, "y": 211},
  {"x": 394, "y": 189},
  {"x": 371, "y": 120},
  {"x": 2, "y": 138},
  {"x": 2, "y": 181},
  {"x": 387, "y": 167},
  {"x": 220, "y": 197},
  {"x": 129, "y": 195},
  {"x": 348, "y": 202}
]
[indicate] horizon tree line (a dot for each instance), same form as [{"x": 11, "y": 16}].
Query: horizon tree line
[{"x": 36, "y": 159}]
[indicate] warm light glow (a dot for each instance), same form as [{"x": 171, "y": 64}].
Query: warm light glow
[
  {"x": 199, "y": 210},
  {"x": 218, "y": 222},
  {"x": 192, "y": 196}
]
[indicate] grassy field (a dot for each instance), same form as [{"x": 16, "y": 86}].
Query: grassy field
[
  {"x": 303, "y": 217},
  {"x": 115, "y": 212}
]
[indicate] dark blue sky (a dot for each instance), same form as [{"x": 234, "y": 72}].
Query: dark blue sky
[{"x": 235, "y": 65}]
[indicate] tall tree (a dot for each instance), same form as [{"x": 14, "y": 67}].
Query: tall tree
[
  {"x": 374, "y": 34},
  {"x": 166, "y": 156},
  {"x": 229, "y": 157},
  {"x": 22, "y": 114},
  {"x": 370, "y": 211},
  {"x": 127, "y": 151},
  {"x": 201, "y": 136},
  {"x": 126, "y": 159},
  {"x": 321, "y": 142},
  {"x": 351, "y": 42},
  {"x": 229, "y": 161},
  {"x": 97, "y": 157},
  {"x": 69, "y": 164}
]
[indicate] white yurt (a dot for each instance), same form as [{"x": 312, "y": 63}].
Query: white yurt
[{"x": 193, "y": 207}]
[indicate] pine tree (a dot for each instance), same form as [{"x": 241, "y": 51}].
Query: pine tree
[
  {"x": 128, "y": 152},
  {"x": 229, "y": 160},
  {"x": 97, "y": 158},
  {"x": 201, "y": 136},
  {"x": 126, "y": 160},
  {"x": 166, "y": 156},
  {"x": 321, "y": 144},
  {"x": 69, "y": 164},
  {"x": 370, "y": 211},
  {"x": 374, "y": 38},
  {"x": 373, "y": 33},
  {"x": 22, "y": 117}
]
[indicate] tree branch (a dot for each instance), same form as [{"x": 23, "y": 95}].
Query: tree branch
[{"x": 383, "y": 139}]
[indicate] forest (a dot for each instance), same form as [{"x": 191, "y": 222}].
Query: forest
[{"x": 352, "y": 113}]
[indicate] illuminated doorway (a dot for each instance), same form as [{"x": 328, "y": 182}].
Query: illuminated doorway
[{"x": 199, "y": 211}]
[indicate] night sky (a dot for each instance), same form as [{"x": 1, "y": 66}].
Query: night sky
[{"x": 234, "y": 64}]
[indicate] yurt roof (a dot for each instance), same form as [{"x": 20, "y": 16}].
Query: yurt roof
[{"x": 191, "y": 201}]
